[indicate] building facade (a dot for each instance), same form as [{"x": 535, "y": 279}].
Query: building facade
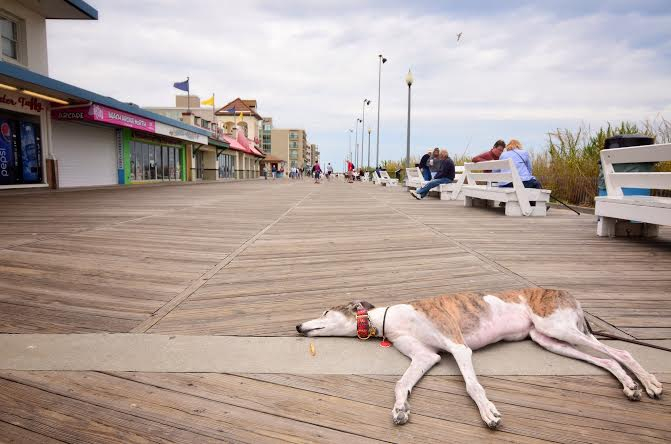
[
  {"x": 58, "y": 135},
  {"x": 265, "y": 134},
  {"x": 292, "y": 145}
]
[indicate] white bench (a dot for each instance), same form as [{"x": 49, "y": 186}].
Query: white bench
[
  {"x": 452, "y": 191},
  {"x": 617, "y": 210},
  {"x": 387, "y": 181},
  {"x": 365, "y": 177},
  {"x": 516, "y": 198},
  {"x": 414, "y": 178}
]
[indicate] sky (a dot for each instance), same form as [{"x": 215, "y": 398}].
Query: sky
[{"x": 520, "y": 70}]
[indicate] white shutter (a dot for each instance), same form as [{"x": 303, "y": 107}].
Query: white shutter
[{"x": 86, "y": 154}]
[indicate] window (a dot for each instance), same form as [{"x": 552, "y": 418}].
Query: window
[
  {"x": 293, "y": 144},
  {"x": 9, "y": 30},
  {"x": 293, "y": 136}
]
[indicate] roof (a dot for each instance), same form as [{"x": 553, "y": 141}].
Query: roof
[
  {"x": 271, "y": 158},
  {"x": 250, "y": 103},
  {"x": 63, "y": 9},
  {"x": 239, "y": 106},
  {"x": 24, "y": 78},
  {"x": 219, "y": 143}
]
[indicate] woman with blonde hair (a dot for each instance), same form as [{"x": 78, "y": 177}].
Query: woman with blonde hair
[{"x": 522, "y": 162}]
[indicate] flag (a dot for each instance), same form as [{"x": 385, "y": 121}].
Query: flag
[
  {"x": 230, "y": 110},
  {"x": 209, "y": 101},
  {"x": 240, "y": 115},
  {"x": 184, "y": 86}
]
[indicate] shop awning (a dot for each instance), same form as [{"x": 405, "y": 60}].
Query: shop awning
[
  {"x": 21, "y": 79},
  {"x": 218, "y": 143},
  {"x": 235, "y": 145}
]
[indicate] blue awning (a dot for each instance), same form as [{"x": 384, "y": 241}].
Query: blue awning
[{"x": 19, "y": 77}]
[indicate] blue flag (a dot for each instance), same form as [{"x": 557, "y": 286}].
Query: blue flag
[
  {"x": 184, "y": 86},
  {"x": 231, "y": 110}
]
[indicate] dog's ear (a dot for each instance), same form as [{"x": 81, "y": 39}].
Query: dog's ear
[{"x": 365, "y": 304}]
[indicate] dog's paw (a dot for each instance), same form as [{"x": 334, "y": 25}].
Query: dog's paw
[
  {"x": 491, "y": 416},
  {"x": 400, "y": 415},
  {"x": 653, "y": 387},
  {"x": 633, "y": 392}
]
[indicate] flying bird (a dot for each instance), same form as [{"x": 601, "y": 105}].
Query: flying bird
[{"x": 459, "y": 36}]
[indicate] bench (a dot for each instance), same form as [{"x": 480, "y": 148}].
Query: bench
[
  {"x": 365, "y": 177},
  {"x": 517, "y": 199},
  {"x": 387, "y": 181},
  {"x": 414, "y": 178},
  {"x": 617, "y": 211},
  {"x": 452, "y": 191}
]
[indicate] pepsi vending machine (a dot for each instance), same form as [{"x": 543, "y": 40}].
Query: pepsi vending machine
[
  {"x": 31, "y": 153},
  {"x": 7, "y": 152}
]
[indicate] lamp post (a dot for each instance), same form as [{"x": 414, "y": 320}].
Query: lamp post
[
  {"x": 377, "y": 134},
  {"x": 366, "y": 102},
  {"x": 356, "y": 143},
  {"x": 408, "y": 80},
  {"x": 368, "y": 162},
  {"x": 349, "y": 131}
]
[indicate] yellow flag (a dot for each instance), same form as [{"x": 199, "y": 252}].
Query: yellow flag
[
  {"x": 240, "y": 115},
  {"x": 209, "y": 101}
]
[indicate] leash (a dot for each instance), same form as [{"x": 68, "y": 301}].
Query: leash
[{"x": 624, "y": 338}]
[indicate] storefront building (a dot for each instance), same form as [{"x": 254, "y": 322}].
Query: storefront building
[
  {"x": 55, "y": 134},
  {"x": 22, "y": 120}
]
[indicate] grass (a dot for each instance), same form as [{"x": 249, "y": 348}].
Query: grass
[{"x": 569, "y": 163}]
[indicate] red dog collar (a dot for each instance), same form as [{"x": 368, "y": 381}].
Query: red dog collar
[{"x": 363, "y": 328}]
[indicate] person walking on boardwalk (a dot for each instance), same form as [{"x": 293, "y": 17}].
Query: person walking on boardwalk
[
  {"x": 350, "y": 171},
  {"x": 316, "y": 169},
  {"x": 444, "y": 175},
  {"x": 329, "y": 171}
]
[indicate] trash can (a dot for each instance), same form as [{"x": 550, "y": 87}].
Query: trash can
[{"x": 622, "y": 141}]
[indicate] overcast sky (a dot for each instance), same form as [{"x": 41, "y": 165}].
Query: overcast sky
[{"x": 520, "y": 70}]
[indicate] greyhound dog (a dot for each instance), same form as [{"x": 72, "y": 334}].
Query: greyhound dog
[{"x": 463, "y": 322}]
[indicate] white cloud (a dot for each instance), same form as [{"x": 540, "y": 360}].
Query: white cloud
[{"x": 312, "y": 67}]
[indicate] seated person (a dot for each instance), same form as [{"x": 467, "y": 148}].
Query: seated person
[
  {"x": 522, "y": 162},
  {"x": 445, "y": 175},
  {"x": 424, "y": 165},
  {"x": 434, "y": 162},
  {"x": 492, "y": 154}
]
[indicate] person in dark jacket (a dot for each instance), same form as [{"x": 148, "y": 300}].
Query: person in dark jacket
[
  {"x": 444, "y": 175},
  {"x": 424, "y": 164}
]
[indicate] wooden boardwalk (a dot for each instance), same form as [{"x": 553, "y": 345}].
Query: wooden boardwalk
[{"x": 253, "y": 259}]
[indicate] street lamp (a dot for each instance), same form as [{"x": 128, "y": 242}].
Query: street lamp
[
  {"x": 368, "y": 163},
  {"x": 356, "y": 143},
  {"x": 366, "y": 102},
  {"x": 408, "y": 79},
  {"x": 377, "y": 134}
]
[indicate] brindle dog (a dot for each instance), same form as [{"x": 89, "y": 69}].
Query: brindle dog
[{"x": 463, "y": 322}]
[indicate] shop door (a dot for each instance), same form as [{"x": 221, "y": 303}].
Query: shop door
[{"x": 200, "y": 165}]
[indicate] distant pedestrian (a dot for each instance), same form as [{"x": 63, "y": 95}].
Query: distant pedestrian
[
  {"x": 265, "y": 172},
  {"x": 274, "y": 171},
  {"x": 350, "y": 172},
  {"x": 329, "y": 171},
  {"x": 317, "y": 169}
]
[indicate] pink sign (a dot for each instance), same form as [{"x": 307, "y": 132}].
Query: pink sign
[{"x": 103, "y": 114}]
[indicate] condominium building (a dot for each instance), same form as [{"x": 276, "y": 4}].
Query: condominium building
[
  {"x": 265, "y": 134},
  {"x": 290, "y": 144}
]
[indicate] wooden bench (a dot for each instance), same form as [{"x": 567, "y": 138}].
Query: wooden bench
[
  {"x": 387, "y": 181},
  {"x": 617, "y": 211},
  {"x": 414, "y": 178},
  {"x": 517, "y": 199},
  {"x": 452, "y": 191}
]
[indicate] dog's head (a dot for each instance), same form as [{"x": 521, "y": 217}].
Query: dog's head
[{"x": 336, "y": 321}]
